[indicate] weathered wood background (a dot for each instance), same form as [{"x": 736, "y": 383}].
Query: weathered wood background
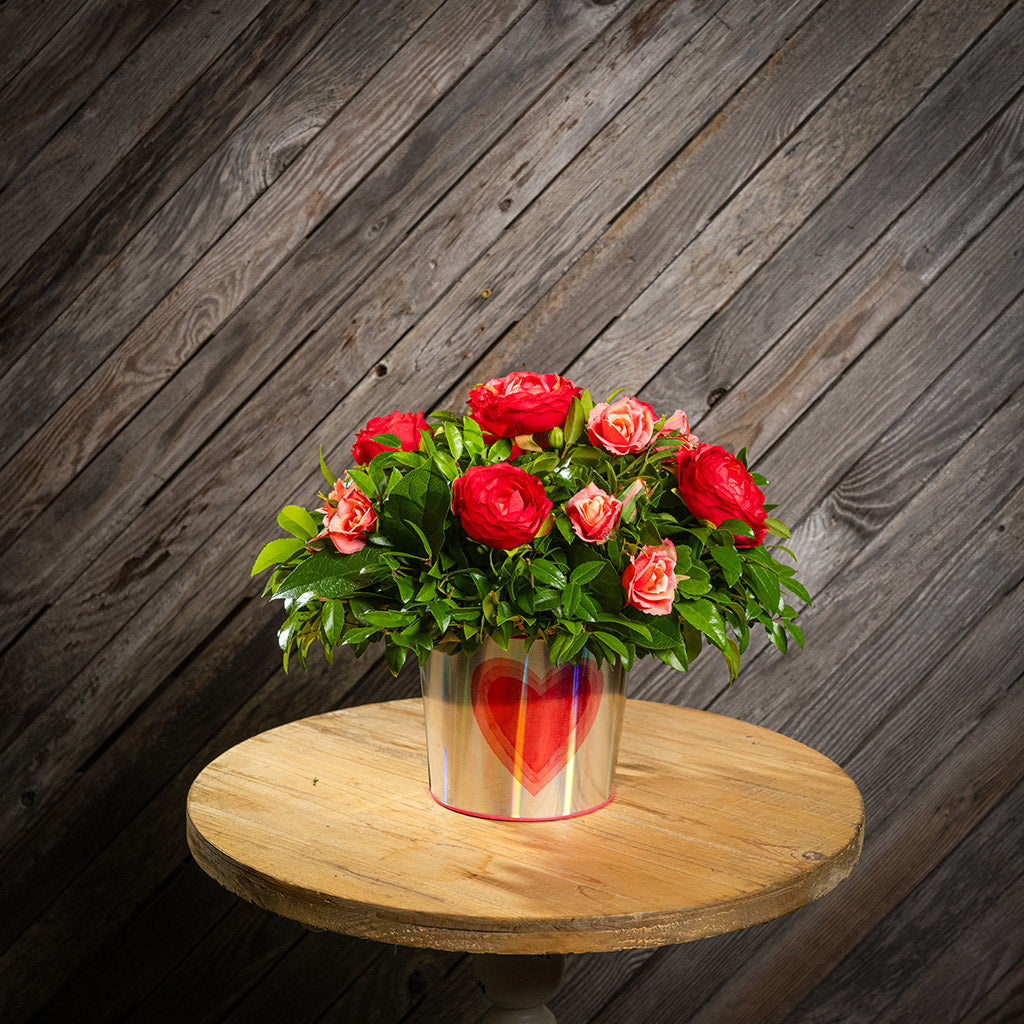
[{"x": 233, "y": 230}]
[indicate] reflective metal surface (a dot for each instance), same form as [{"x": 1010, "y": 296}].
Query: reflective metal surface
[{"x": 512, "y": 736}]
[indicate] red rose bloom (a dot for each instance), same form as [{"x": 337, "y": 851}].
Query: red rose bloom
[
  {"x": 716, "y": 486},
  {"x": 501, "y": 506},
  {"x": 406, "y": 426},
  {"x": 521, "y": 403}
]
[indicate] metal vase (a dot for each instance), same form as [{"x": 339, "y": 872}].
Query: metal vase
[{"x": 514, "y": 737}]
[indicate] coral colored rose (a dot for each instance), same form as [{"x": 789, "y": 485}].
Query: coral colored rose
[
  {"x": 677, "y": 427},
  {"x": 348, "y": 518},
  {"x": 521, "y": 403},
  {"x": 716, "y": 486},
  {"x": 593, "y": 514},
  {"x": 650, "y": 578},
  {"x": 406, "y": 426},
  {"x": 623, "y": 427},
  {"x": 500, "y": 505}
]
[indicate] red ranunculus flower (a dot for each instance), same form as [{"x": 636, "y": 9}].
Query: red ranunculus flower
[
  {"x": 650, "y": 579},
  {"x": 521, "y": 403},
  {"x": 500, "y": 505},
  {"x": 406, "y": 426},
  {"x": 348, "y": 518},
  {"x": 716, "y": 486}
]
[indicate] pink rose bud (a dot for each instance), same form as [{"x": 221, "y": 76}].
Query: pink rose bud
[
  {"x": 677, "y": 426},
  {"x": 650, "y": 578},
  {"x": 348, "y": 518},
  {"x": 628, "y": 499},
  {"x": 621, "y": 428},
  {"x": 593, "y": 514}
]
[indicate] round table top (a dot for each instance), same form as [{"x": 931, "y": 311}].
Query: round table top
[{"x": 715, "y": 825}]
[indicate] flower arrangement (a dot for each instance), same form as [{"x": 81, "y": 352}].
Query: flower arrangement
[{"x": 542, "y": 515}]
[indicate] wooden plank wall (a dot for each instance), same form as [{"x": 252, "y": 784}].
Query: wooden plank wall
[{"x": 232, "y": 230}]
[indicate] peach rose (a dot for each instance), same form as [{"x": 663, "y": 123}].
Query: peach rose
[
  {"x": 623, "y": 427},
  {"x": 348, "y": 518},
  {"x": 593, "y": 513},
  {"x": 650, "y": 578}
]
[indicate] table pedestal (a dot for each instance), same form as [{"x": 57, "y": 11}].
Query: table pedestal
[{"x": 518, "y": 986}]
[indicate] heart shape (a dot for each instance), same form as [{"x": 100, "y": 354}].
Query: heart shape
[{"x": 535, "y": 725}]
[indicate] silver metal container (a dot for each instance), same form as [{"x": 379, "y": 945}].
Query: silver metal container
[{"x": 514, "y": 737}]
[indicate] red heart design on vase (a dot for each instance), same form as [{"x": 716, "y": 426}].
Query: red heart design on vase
[{"x": 534, "y": 725}]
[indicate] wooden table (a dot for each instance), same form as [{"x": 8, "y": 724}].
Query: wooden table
[{"x": 716, "y": 825}]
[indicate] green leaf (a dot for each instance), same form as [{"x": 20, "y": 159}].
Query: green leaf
[
  {"x": 389, "y": 619},
  {"x": 796, "y": 587},
  {"x": 703, "y": 615},
  {"x": 364, "y": 481},
  {"x": 693, "y": 641},
  {"x": 776, "y": 527},
  {"x": 334, "y": 620},
  {"x": 545, "y": 600},
  {"x": 663, "y": 629},
  {"x": 639, "y": 629},
  {"x": 728, "y": 558},
  {"x": 448, "y": 466},
  {"x": 441, "y": 613},
  {"x": 414, "y": 511},
  {"x": 276, "y": 551},
  {"x": 298, "y": 522},
  {"x": 585, "y": 572},
  {"x": 765, "y": 585},
  {"x": 778, "y": 636},
  {"x": 692, "y": 586},
  {"x": 737, "y": 527},
  {"x": 575, "y": 422},
  {"x": 359, "y": 634},
  {"x": 327, "y": 474},
  {"x": 572, "y": 647},
  {"x": 395, "y": 657},
  {"x": 454, "y": 439},
  {"x": 500, "y": 450},
  {"x": 673, "y": 658},
  {"x": 732, "y": 658},
  {"x": 472, "y": 436},
  {"x": 795, "y": 632},
  {"x": 612, "y": 641},
  {"x": 331, "y": 575},
  {"x": 548, "y": 572},
  {"x": 388, "y": 441}
]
